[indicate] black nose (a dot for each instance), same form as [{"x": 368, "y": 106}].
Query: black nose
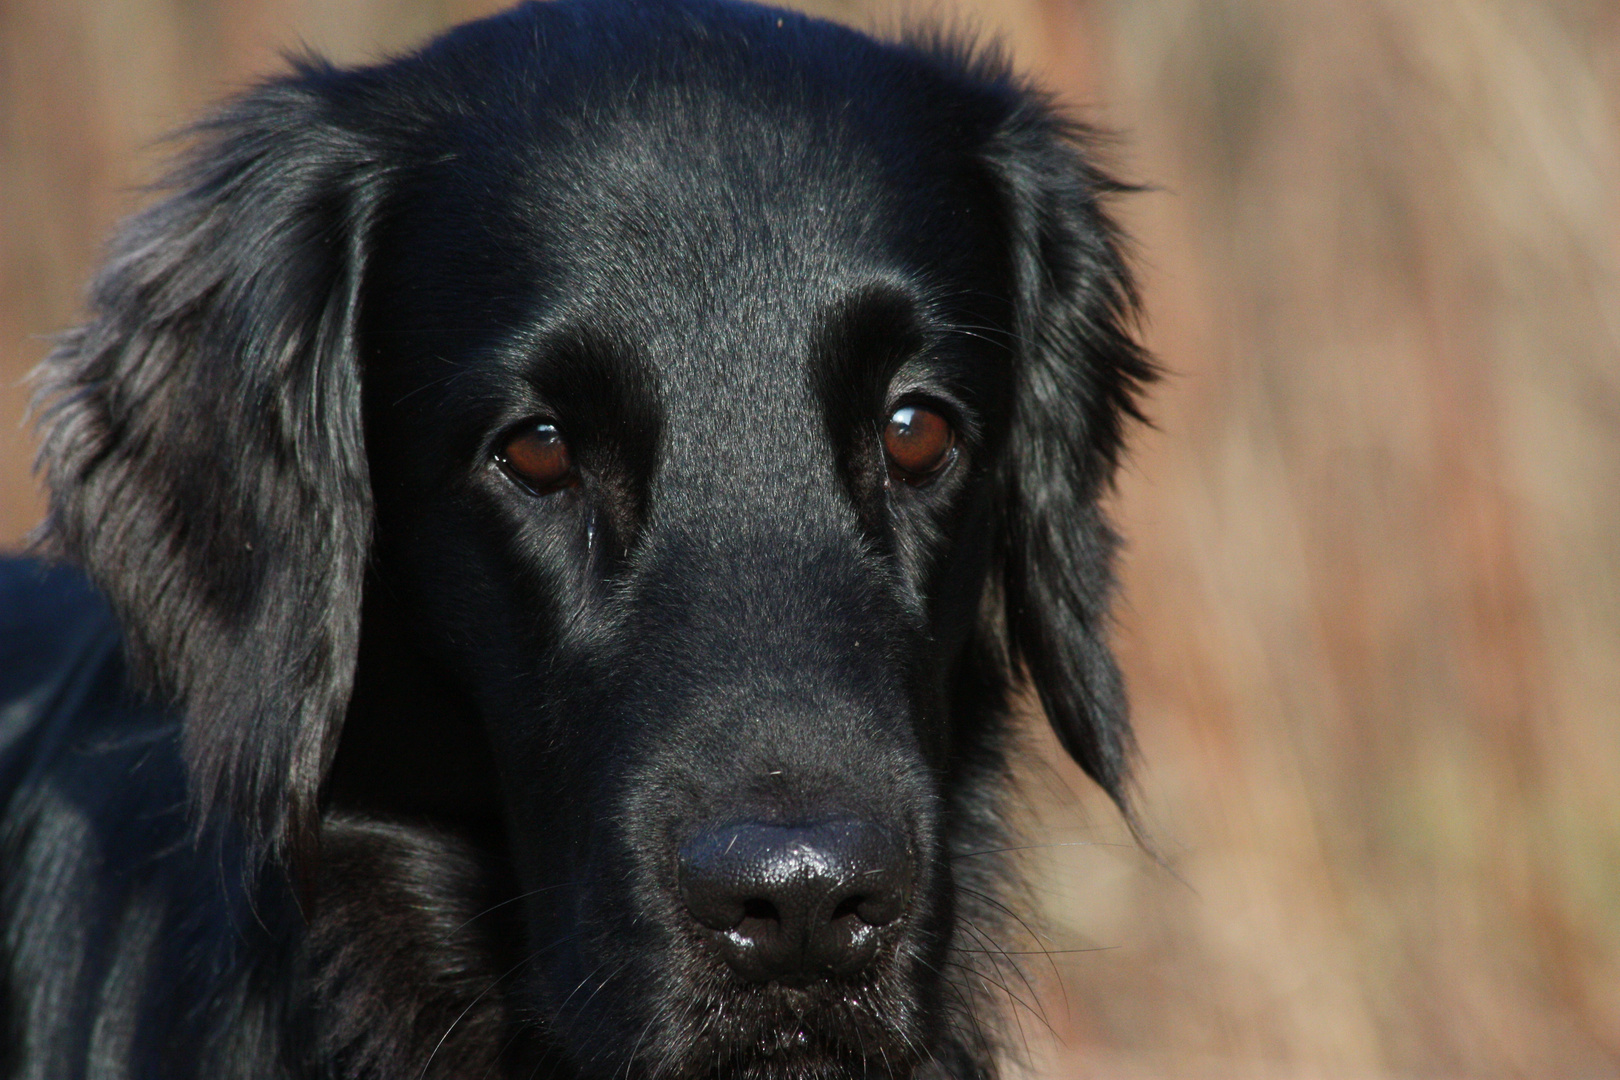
[{"x": 796, "y": 903}]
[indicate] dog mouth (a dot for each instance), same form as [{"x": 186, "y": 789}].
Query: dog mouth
[
  {"x": 829, "y": 1031},
  {"x": 697, "y": 1019}
]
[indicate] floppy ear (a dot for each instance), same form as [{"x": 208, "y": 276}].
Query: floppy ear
[
  {"x": 202, "y": 443},
  {"x": 1079, "y": 374}
]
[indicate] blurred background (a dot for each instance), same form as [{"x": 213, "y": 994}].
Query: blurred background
[{"x": 1371, "y": 615}]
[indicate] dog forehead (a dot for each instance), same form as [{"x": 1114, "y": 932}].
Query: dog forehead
[
  {"x": 724, "y": 261},
  {"x": 688, "y": 151},
  {"x": 706, "y": 197},
  {"x": 686, "y": 202}
]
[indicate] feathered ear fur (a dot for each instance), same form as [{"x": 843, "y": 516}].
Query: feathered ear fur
[
  {"x": 1079, "y": 376},
  {"x": 202, "y": 442}
]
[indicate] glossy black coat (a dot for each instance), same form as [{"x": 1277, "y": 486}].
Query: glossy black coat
[{"x": 419, "y": 749}]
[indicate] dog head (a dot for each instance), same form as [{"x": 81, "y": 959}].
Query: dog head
[{"x": 656, "y": 440}]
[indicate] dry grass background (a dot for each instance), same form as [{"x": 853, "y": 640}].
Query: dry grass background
[{"x": 1372, "y": 596}]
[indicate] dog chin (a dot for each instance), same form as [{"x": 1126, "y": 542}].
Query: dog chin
[
  {"x": 794, "y": 1063},
  {"x": 805, "y": 1068}
]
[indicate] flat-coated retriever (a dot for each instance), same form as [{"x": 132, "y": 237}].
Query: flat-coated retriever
[{"x": 576, "y": 502}]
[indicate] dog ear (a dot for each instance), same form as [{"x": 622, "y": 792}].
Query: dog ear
[
  {"x": 1079, "y": 375},
  {"x": 202, "y": 442}
]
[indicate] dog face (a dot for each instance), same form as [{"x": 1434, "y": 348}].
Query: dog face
[
  {"x": 718, "y": 460},
  {"x": 657, "y": 442}
]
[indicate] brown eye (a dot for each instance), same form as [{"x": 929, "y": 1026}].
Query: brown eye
[
  {"x": 538, "y": 458},
  {"x": 919, "y": 443}
]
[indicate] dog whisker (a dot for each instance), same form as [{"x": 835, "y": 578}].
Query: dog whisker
[
  {"x": 1041, "y": 847},
  {"x": 996, "y": 954},
  {"x": 1034, "y": 936},
  {"x": 514, "y": 899},
  {"x": 470, "y": 1005}
]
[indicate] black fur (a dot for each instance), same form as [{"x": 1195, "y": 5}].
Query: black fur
[{"x": 413, "y": 748}]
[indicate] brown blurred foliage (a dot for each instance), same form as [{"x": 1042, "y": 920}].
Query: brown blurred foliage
[{"x": 1371, "y": 615}]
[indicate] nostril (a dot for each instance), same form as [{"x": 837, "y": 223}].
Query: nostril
[
  {"x": 796, "y": 902},
  {"x": 848, "y": 908},
  {"x": 882, "y": 907},
  {"x": 760, "y": 909}
]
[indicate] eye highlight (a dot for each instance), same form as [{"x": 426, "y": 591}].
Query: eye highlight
[
  {"x": 919, "y": 443},
  {"x": 536, "y": 456}
]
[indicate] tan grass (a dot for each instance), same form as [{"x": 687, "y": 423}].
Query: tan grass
[{"x": 1373, "y": 592}]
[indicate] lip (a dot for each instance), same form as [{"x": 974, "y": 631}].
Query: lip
[{"x": 741, "y": 1031}]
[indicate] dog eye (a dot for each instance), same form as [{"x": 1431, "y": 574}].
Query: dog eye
[
  {"x": 919, "y": 443},
  {"x": 537, "y": 457}
]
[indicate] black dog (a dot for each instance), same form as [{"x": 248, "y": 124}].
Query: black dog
[{"x": 577, "y": 501}]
